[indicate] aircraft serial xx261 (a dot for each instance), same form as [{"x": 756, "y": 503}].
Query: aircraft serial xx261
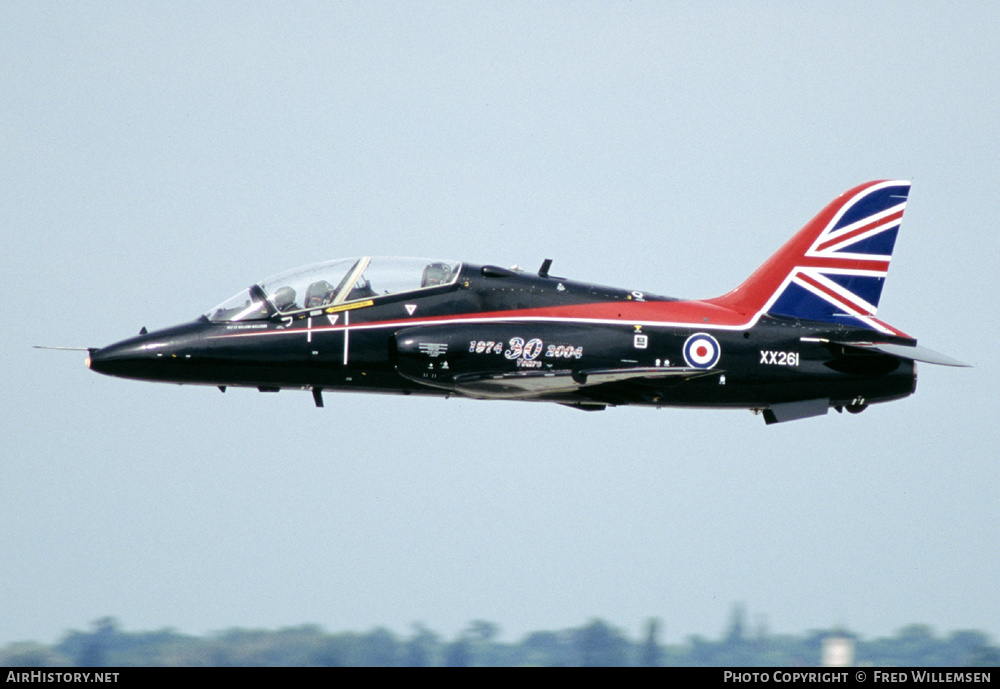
[{"x": 797, "y": 337}]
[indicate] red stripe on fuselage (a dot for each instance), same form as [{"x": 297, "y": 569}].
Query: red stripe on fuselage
[
  {"x": 675, "y": 313},
  {"x": 667, "y": 312}
]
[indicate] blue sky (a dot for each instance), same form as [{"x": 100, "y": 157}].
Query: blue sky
[{"x": 158, "y": 158}]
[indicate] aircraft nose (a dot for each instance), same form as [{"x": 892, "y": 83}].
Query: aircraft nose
[
  {"x": 119, "y": 359},
  {"x": 144, "y": 357},
  {"x": 139, "y": 358},
  {"x": 148, "y": 356}
]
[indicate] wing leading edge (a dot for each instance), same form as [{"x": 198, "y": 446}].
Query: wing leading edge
[{"x": 529, "y": 384}]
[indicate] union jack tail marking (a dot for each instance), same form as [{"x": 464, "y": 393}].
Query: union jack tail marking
[{"x": 833, "y": 270}]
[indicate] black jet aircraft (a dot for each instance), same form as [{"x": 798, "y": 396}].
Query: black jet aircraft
[{"x": 798, "y": 337}]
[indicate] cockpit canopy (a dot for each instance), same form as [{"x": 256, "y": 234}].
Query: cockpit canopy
[{"x": 331, "y": 283}]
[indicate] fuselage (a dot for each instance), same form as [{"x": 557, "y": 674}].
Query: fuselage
[{"x": 495, "y": 333}]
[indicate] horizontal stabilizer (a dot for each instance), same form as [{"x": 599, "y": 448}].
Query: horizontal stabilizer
[{"x": 913, "y": 353}]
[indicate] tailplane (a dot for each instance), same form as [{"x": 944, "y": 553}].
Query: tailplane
[{"x": 834, "y": 268}]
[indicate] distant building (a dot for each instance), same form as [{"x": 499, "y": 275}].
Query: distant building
[{"x": 838, "y": 651}]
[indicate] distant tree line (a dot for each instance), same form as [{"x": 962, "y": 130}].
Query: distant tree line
[{"x": 593, "y": 644}]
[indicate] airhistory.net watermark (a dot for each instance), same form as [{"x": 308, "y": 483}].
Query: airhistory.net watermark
[{"x": 62, "y": 677}]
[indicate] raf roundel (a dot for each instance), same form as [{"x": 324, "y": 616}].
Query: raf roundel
[{"x": 701, "y": 350}]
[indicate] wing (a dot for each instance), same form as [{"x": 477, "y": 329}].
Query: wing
[{"x": 528, "y": 384}]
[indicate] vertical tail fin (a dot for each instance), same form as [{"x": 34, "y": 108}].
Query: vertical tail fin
[{"x": 834, "y": 268}]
